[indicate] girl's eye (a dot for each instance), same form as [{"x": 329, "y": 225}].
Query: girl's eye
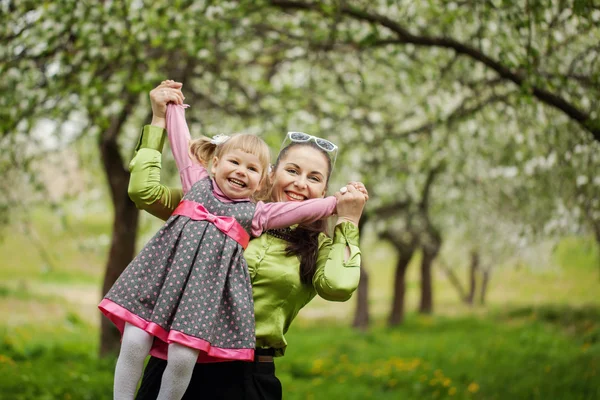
[
  {"x": 315, "y": 178},
  {"x": 234, "y": 162},
  {"x": 253, "y": 169}
]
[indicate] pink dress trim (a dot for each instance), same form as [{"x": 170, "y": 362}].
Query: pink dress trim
[{"x": 120, "y": 315}]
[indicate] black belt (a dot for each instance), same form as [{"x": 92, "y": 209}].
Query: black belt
[{"x": 264, "y": 355}]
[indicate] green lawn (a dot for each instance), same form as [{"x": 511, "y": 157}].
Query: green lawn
[
  {"x": 531, "y": 354},
  {"x": 537, "y": 338}
]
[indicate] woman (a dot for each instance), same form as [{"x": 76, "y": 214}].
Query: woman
[{"x": 288, "y": 268}]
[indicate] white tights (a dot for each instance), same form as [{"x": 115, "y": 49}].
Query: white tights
[
  {"x": 176, "y": 378},
  {"x": 135, "y": 347}
]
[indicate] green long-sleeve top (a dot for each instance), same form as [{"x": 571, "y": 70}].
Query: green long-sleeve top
[{"x": 276, "y": 287}]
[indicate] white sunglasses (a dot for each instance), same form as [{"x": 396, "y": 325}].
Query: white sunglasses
[
  {"x": 301, "y": 137},
  {"x": 328, "y": 147}
]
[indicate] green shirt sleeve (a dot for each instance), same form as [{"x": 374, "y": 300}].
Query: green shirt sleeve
[
  {"x": 336, "y": 279},
  {"x": 145, "y": 189}
]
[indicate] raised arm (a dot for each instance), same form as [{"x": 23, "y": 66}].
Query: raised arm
[
  {"x": 145, "y": 189},
  {"x": 338, "y": 262},
  {"x": 190, "y": 172}
]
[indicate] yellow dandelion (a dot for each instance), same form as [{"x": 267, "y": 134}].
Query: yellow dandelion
[
  {"x": 473, "y": 388},
  {"x": 446, "y": 382},
  {"x": 6, "y": 360},
  {"x": 452, "y": 391},
  {"x": 317, "y": 366},
  {"x": 585, "y": 346},
  {"x": 377, "y": 373}
]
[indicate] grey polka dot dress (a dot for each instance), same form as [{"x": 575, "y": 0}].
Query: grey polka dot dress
[{"x": 190, "y": 283}]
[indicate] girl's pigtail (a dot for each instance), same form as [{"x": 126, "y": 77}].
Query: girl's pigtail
[{"x": 202, "y": 150}]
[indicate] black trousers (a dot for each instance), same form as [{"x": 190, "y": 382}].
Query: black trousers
[{"x": 234, "y": 380}]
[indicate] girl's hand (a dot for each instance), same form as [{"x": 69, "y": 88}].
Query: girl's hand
[
  {"x": 351, "y": 203},
  {"x": 167, "y": 92}
]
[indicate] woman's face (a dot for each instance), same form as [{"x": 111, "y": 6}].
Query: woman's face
[{"x": 300, "y": 175}]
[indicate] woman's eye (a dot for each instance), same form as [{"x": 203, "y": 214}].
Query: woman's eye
[{"x": 292, "y": 171}]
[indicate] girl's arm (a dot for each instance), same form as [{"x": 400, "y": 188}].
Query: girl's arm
[
  {"x": 145, "y": 189},
  {"x": 283, "y": 214},
  {"x": 190, "y": 172},
  {"x": 338, "y": 263}
]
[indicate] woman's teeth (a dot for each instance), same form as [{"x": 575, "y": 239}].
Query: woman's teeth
[{"x": 295, "y": 196}]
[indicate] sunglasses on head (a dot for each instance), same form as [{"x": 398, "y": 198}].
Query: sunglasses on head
[{"x": 301, "y": 137}]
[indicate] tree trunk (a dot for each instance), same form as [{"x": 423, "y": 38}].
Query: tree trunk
[
  {"x": 473, "y": 269},
  {"x": 597, "y": 235},
  {"x": 125, "y": 221},
  {"x": 453, "y": 279},
  {"x": 484, "y": 285},
  {"x": 397, "y": 314},
  {"x": 426, "y": 304},
  {"x": 361, "y": 316}
]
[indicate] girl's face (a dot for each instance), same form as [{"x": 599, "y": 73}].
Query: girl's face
[
  {"x": 237, "y": 173},
  {"x": 300, "y": 175}
]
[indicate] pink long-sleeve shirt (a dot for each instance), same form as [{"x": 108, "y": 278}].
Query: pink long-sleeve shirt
[{"x": 267, "y": 215}]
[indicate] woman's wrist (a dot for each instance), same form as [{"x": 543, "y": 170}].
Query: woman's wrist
[
  {"x": 159, "y": 122},
  {"x": 341, "y": 220}
]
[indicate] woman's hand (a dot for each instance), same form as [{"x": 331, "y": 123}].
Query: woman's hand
[
  {"x": 167, "y": 92},
  {"x": 351, "y": 203}
]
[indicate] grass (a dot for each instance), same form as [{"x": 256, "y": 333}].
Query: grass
[
  {"x": 523, "y": 356},
  {"x": 459, "y": 358},
  {"x": 537, "y": 338}
]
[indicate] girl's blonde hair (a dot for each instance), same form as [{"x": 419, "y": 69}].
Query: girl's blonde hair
[{"x": 203, "y": 151}]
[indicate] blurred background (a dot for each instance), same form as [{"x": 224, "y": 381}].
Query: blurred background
[{"x": 473, "y": 124}]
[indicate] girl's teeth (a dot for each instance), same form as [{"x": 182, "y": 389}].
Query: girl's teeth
[{"x": 239, "y": 183}]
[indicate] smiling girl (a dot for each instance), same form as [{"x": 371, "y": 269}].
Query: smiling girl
[{"x": 189, "y": 288}]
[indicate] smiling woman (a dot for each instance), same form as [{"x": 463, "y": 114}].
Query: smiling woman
[
  {"x": 286, "y": 267},
  {"x": 300, "y": 172},
  {"x": 187, "y": 296}
]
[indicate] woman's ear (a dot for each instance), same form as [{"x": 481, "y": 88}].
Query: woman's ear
[{"x": 213, "y": 167}]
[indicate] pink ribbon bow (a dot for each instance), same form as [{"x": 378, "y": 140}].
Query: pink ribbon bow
[{"x": 227, "y": 225}]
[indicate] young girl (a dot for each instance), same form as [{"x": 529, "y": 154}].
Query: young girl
[{"x": 189, "y": 286}]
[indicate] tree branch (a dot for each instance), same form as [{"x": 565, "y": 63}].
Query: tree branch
[{"x": 404, "y": 36}]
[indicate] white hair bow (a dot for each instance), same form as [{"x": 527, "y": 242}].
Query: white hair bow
[{"x": 219, "y": 139}]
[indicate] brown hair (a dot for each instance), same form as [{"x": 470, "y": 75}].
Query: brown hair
[
  {"x": 203, "y": 150},
  {"x": 304, "y": 240}
]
